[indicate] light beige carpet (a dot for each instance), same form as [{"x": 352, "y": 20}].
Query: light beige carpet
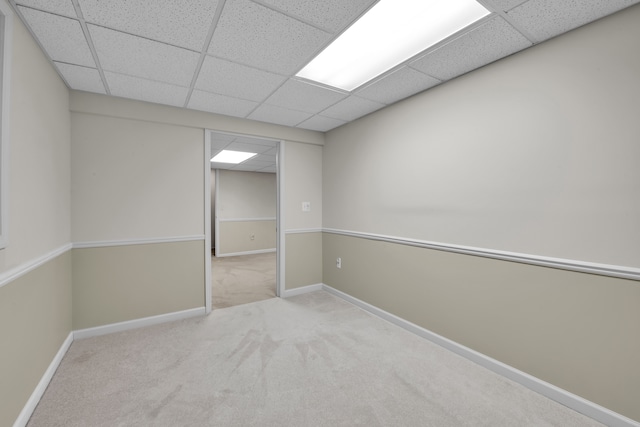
[
  {"x": 242, "y": 279},
  {"x": 311, "y": 360}
]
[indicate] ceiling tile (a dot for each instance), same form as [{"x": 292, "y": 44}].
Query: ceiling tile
[
  {"x": 351, "y": 108},
  {"x": 239, "y": 81},
  {"x": 270, "y": 169},
  {"x": 220, "y": 104},
  {"x": 330, "y": 15},
  {"x": 81, "y": 78},
  {"x": 321, "y": 124},
  {"x": 254, "y": 35},
  {"x": 487, "y": 43},
  {"x": 62, "y": 38},
  {"x": 400, "y": 84},
  {"x": 146, "y": 90},
  {"x": 256, "y": 141},
  {"x": 278, "y": 115},
  {"x": 60, "y": 7},
  {"x": 503, "y": 5},
  {"x": 126, "y": 54},
  {"x": 544, "y": 19},
  {"x": 180, "y": 23},
  {"x": 305, "y": 97}
]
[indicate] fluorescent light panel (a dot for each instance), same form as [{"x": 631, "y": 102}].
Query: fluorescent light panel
[
  {"x": 388, "y": 34},
  {"x": 228, "y": 156}
]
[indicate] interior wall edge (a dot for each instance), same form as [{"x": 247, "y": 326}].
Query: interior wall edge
[
  {"x": 575, "y": 402},
  {"x": 621, "y": 272}
]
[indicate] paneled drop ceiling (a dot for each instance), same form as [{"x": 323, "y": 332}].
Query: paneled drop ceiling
[
  {"x": 266, "y": 152},
  {"x": 239, "y": 57}
]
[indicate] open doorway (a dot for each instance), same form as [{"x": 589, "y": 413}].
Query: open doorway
[{"x": 244, "y": 217}]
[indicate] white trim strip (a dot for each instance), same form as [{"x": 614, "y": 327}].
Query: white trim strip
[
  {"x": 24, "y": 268},
  {"x": 302, "y": 290},
  {"x": 108, "y": 243},
  {"x": 259, "y": 251},
  {"x": 303, "y": 230},
  {"x": 35, "y": 397},
  {"x": 138, "y": 323},
  {"x": 560, "y": 263},
  {"x": 577, "y": 403},
  {"x": 246, "y": 219}
]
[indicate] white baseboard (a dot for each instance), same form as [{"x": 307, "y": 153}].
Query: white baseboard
[
  {"x": 302, "y": 290},
  {"x": 138, "y": 323},
  {"x": 577, "y": 403},
  {"x": 259, "y": 251},
  {"x": 35, "y": 397}
]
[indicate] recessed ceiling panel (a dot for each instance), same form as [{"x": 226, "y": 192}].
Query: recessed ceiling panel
[
  {"x": 398, "y": 85},
  {"x": 504, "y": 5},
  {"x": 239, "y": 81},
  {"x": 146, "y": 90},
  {"x": 220, "y": 104},
  {"x": 351, "y": 108},
  {"x": 321, "y": 124},
  {"x": 62, "y": 38},
  {"x": 60, "y": 7},
  {"x": 544, "y": 19},
  {"x": 305, "y": 97},
  {"x": 254, "y": 35},
  {"x": 126, "y": 54},
  {"x": 480, "y": 46},
  {"x": 278, "y": 115},
  {"x": 81, "y": 78},
  {"x": 180, "y": 23},
  {"x": 330, "y": 15}
]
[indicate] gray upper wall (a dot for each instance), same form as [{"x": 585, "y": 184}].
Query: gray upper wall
[{"x": 534, "y": 154}]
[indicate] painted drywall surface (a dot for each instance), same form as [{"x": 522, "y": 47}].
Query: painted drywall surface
[
  {"x": 120, "y": 283},
  {"x": 39, "y": 175},
  {"x": 138, "y": 110},
  {"x": 303, "y": 259},
  {"x": 35, "y": 320},
  {"x": 574, "y": 330},
  {"x": 303, "y": 183},
  {"x": 536, "y": 153},
  {"x": 246, "y": 208},
  {"x": 35, "y": 309},
  {"x": 135, "y": 180},
  {"x": 237, "y": 237},
  {"x": 246, "y": 195}
]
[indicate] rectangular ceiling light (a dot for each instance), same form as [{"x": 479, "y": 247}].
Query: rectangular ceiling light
[
  {"x": 228, "y": 156},
  {"x": 388, "y": 34}
]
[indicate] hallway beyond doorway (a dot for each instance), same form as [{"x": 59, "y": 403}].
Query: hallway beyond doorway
[{"x": 242, "y": 279}]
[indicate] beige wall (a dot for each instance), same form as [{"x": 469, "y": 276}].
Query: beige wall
[
  {"x": 116, "y": 284},
  {"x": 302, "y": 183},
  {"x": 35, "y": 308},
  {"x": 574, "y": 330},
  {"x": 246, "y": 195},
  {"x": 237, "y": 237},
  {"x": 537, "y": 154},
  {"x": 135, "y": 179},
  {"x": 243, "y": 196},
  {"x": 304, "y": 260}
]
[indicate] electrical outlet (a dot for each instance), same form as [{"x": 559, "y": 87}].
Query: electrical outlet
[
  {"x": 339, "y": 262},
  {"x": 306, "y": 206},
  {"x": 252, "y": 237}
]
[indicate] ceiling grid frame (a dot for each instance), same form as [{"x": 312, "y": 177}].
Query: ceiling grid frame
[{"x": 324, "y": 110}]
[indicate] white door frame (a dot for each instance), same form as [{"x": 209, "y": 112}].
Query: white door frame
[{"x": 280, "y": 237}]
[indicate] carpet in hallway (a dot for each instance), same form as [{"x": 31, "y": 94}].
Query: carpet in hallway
[{"x": 242, "y": 279}]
